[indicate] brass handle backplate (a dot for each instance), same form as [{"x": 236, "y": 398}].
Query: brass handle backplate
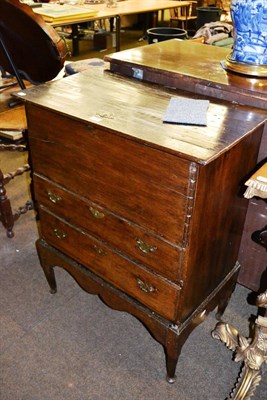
[
  {"x": 145, "y": 287},
  {"x": 54, "y": 197},
  {"x": 59, "y": 233},
  {"x": 97, "y": 214},
  {"x": 145, "y": 247}
]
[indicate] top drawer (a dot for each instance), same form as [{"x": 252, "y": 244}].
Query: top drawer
[{"x": 142, "y": 184}]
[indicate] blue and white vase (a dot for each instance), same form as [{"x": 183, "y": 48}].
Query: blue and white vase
[{"x": 249, "y": 55}]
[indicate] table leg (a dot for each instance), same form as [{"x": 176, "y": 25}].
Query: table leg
[
  {"x": 118, "y": 30},
  {"x": 75, "y": 39}
]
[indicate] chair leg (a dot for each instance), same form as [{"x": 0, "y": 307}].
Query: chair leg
[{"x": 6, "y": 215}]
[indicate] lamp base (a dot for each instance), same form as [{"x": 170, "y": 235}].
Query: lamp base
[{"x": 257, "y": 70}]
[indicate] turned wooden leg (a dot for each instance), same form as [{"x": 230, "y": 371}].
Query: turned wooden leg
[{"x": 47, "y": 267}]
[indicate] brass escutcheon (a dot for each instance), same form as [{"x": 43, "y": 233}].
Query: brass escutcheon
[
  {"x": 145, "y": 287},
  {"x": 145, "y": 247},
  {"x": 53, "y": 197},
  {"x": 59, "y": 233},
  {"x": 96, "y": 213}
]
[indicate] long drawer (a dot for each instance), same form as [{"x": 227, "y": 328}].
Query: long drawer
[
  {"x": 138, "y": 183},
  {"x": 151, "y": 290},
  {"x": 125, "y": 237}
]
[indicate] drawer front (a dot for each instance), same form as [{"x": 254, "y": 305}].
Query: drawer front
[
  {"x": 127, "y": 238},
  {"x": 141, "y": 184},
  {"x": 156, "y": 293}
]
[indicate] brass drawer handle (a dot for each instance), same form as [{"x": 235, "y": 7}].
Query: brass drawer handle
[
  {"x": 97, "y": 214},
  {"x": 145, "y": 287},
  {"x": 99, "y": 251},
  {"x": 145, "y": 247},
  {"x": 59, "y": 234},
  {"x": 53, "y": 197}
]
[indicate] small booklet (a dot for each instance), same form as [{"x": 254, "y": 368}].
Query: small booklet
[{"x": 185, "y": 111}]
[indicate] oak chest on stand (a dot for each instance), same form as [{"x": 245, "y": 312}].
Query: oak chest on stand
[{"x": 147, "y": 215}]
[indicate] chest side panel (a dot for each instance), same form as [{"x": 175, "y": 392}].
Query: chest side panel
[{"x": 217, "y": 221}]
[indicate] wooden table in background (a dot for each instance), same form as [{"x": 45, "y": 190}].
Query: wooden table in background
[{"x": 127, "y": 7}]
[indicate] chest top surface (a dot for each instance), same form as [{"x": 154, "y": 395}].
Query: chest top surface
[{"x": 134, "y": 110}]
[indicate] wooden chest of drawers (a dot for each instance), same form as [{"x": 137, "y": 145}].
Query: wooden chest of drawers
[{"x": 147, "y": 215}]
